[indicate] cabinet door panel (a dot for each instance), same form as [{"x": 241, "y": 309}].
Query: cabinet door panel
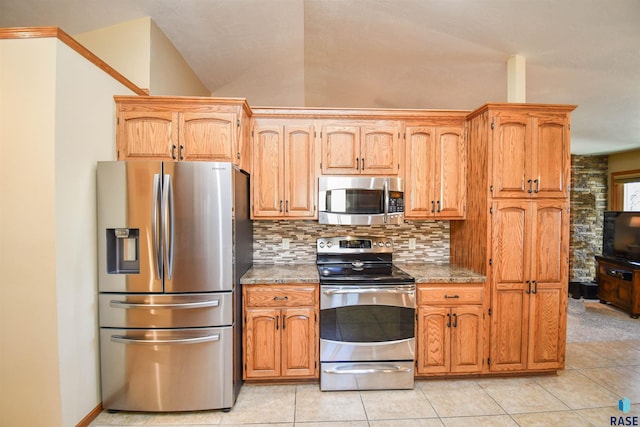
[
  {"x": 509, "y": 323},
  {"x": 262, "y": 352},
  {"x": 340, "y": 150},
  {"x": 419, "y": 163},
  {"x": 466, "y": 339},
  {"x": 298, "y": 342},
  {"x": 379, "y": 150},
  {"x": 511, "y": 156},
  {"x": 147, "y": 135},
  {"x": 434, "y": 340},
  {"x": 551, "y": 157},
  {"x": 547, "y": 328},
  {"x": 450, "y": 172},
  {"x": 268, "y": 172},
  {"x": 549, "y": 256},
  {"x": 300, "y": 181},
  {"x": 510, "y": 242},
  {"x": 207, "y": 136}
]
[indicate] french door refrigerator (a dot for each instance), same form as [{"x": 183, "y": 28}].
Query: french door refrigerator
[{"x": 173, "y": 241}]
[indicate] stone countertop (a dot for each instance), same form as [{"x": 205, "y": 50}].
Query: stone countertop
[
  {"x": 308, "y": 273},
  {"x": 281, "y": 273},
  {"x": 440, "y": 273}
]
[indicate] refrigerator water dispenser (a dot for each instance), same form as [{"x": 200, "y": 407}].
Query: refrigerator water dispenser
[{"x": 123, "y": 250}]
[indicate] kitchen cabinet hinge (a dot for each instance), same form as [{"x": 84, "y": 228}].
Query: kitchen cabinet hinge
[
  {"x": 489, "y": 361},
  {"x": 238, "y": 122},
  {"x": 490, "y": 312},
  {"x": 314, "y": 134},
  {"x": 320, "y": 165},
  {"x": 252, "y": 134},
  {"x": 404, "y": 136},
  {"x": 118, "y": 120},
  {"x": 491, "y": 261},
  {"x": 491, "y": 188},
  {"x": 493, "y": 125},
  {"x": 491, "y": 210}
]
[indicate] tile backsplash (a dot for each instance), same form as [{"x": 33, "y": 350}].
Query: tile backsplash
[{"x": 432, "y": 240}]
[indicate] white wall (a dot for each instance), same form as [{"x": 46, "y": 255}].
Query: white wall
[
  {"x": 126, "y": 47},
  {"x": 29, "y": 374},
  {"x": 141, "y": 52},
  {"x": 57, "y": 118},
  {"x": 170, "y": 73}
]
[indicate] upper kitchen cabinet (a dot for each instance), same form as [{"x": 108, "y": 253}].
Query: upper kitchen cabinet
[
  {"x": 283, "y": 183},
  {"x": 531, "y": 155},
  {"x": 360, "y": 148},
  {"x": 435, "y": 159},
  {"x": 183, "y": 129}
]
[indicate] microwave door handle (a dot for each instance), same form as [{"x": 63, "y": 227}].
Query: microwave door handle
[{"x": 385, "y": 186}]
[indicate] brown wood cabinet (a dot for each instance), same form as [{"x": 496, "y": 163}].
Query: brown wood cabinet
[
  {"x": 516, "y": 232},
  {"x": 183, "y": 129},
  {"x": 284, "y": 174},
  {"x": 531, "y": 156},
  {"x": 350, "y": 148},
  {"x": 450, "y": 331},
  {"x": 619, "y": 284},
  {"x": 280, "y": 331},
  {"x": 435, "y": 159},
  {"x": 529, "y": 294}
]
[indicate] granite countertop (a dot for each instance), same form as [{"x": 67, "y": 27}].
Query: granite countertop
[
  {"x": 440, "y": 273},
  {"x": 308, "y": 273},
  {"x": 281, "y": 273}
]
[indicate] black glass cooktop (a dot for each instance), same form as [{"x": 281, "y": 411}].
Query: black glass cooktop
[{"x": 355, "y": 273}]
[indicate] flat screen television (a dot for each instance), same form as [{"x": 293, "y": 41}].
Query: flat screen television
[{"x": 621, "y": 236}]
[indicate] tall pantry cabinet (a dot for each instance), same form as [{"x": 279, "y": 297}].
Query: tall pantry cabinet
[{"x": 517, "y": 230}]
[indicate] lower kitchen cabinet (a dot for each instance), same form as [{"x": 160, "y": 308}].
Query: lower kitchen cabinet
[
  {"x": 280, "y": 332},
  {"x": 529, "y": 290},
  {"x": 450, "y": 329}
]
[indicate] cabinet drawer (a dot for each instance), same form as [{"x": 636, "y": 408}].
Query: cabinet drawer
[
  {"x": 280, "y": 296},
  {"x": 449, "y": 295}
]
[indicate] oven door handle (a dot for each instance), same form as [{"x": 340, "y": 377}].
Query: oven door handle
[
  {"x": 372, "y": 369},
  {"x": 367, "y": 291}
]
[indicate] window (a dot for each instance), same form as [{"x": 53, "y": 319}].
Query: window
[
  {"x": 625, "y": 194},
  {"x": 631, "y": 196}
]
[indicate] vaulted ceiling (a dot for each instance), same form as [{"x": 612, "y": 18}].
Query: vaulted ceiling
[{"x": 442, "y": 54}]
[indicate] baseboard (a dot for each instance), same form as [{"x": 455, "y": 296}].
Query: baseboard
[{"x": 90, "y": 416}]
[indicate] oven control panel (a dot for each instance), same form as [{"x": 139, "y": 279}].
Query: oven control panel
[{"x": 354, "y": 244}]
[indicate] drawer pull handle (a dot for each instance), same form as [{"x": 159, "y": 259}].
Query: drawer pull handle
[
  {"x": 451, "y": 296},
  {"x": 285, "y": 298}
]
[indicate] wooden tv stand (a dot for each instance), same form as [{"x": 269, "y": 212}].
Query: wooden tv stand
[{"x": 619, "y": 284}]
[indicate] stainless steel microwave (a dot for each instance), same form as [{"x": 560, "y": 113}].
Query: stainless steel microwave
[{"x": 360, "y": 200}]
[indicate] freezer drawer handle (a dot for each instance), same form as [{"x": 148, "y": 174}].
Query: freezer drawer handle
[
  {"x": 197, "y": 340},
  {"x": 383, "y": 369},
  {"x": 199, "y": 304}
]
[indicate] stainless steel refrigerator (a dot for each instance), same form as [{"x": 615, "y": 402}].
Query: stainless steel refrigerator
[{"x": 174, "y": 238}]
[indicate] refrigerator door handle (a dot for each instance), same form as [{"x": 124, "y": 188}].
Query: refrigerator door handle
[
  {"x": 155, "y": 211},
  {"x": 167, "y": 219},
  {"x": 123, "y": 339},
  {"x": 199, "y": 304}
]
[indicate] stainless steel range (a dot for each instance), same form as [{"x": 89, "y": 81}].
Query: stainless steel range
[{"x": 367, "y": 316}]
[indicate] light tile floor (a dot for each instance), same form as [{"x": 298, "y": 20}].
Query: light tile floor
[{"x": 586, "y": 393}]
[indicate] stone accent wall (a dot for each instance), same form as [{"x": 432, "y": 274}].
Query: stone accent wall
[
  {"x": 432, "y": 240},
  {"x": 589, "y": 191}
]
